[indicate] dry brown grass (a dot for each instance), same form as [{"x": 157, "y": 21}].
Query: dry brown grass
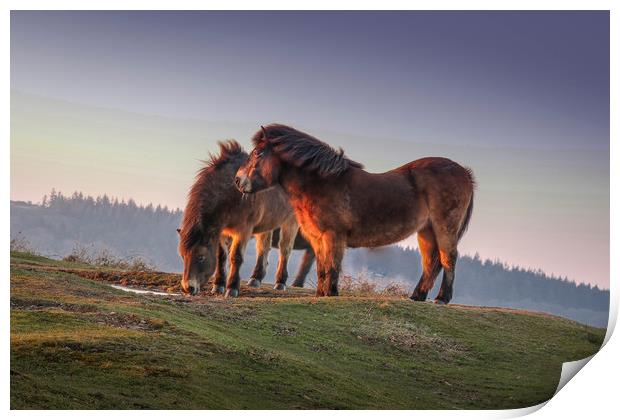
[
  {"x": 362, "y": 285},
  {"x": 20, "y": 244},
  {"x": 105, "y": 258}
]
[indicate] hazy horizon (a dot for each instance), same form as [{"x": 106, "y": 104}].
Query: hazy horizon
[{"x": 126, "y": 103}]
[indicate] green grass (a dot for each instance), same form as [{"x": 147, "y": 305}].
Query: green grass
[{"x": 77, "y": 343}]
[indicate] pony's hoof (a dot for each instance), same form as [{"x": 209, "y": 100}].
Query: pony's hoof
[
  {"x": 418, "y": 297},
  {"x": 217, "y": 290},
  {"x": 279, "y": 286},
  {"x": 254, "y": 283},
  {"x": 440, "y": 302},
  {"x": 296, "y": 284},
  {"x": 232, "y": 293}
]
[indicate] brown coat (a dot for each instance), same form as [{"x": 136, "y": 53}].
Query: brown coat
[{"x": 338, "y": 204}]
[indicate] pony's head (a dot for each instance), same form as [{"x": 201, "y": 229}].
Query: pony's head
[
  {"x": 261, "y": 171},
  {"x": 277, "y": 146},
  {"x": 198, "y": 251}
]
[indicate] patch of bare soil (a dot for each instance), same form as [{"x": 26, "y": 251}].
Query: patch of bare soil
[
  {"x": 171, "y": 283},
  {"x": 285, "y": 330},
  {"x": 267, "y": 291},
  {"x": 130, "y": 321},
  {"x": 38, "y": 304},
  {"x": 222, "y": 310},
  {"x": 498, "y": 309},
  {"x": 148, "y": 280},
  {"x": 410, "y": 337}
]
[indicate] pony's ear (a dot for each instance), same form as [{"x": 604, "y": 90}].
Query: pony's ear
[
  {"x": 179, "y": 231},
  {"x": 264, "y": 132}
]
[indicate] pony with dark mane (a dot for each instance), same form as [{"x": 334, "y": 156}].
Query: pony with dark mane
[
  {"x": 218, "y": 219},
  {"x": 338, "y": 204}
]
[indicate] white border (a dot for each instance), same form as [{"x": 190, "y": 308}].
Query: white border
[
  {"x": 593, "y": 394},
  {"x": 309, "y": 5}
]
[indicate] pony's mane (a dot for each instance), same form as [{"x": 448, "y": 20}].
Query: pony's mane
[
  {"x": 304, "y": 151},
  {"x": 229, "y": 149},
  {"x": 204, "y": 192}
]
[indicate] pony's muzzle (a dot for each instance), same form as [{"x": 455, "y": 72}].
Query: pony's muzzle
[
  {"x": 192, "y": 287},
  {"x": 243, "y": 184}
]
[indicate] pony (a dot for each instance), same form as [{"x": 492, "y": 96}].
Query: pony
[
  {"x": 338, "y": 204},
  {"x": 218, "y": 221}
]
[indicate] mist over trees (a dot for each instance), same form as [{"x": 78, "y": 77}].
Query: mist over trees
[{"x": 126, "y": 229}]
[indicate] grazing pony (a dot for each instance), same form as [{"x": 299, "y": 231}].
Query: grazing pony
[
  {"x": 218, "y": 218},
  {"x": 337, "y": 204}
]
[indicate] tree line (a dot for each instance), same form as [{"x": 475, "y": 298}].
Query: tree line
[{"x": 59, "y": 223}]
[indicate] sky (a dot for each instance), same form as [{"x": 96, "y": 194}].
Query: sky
[{"x": 126, "y": 103}]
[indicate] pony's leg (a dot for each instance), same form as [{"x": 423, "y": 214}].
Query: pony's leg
[
  {"x": 237, "y": 250},
  {"x": 448, "y": 255},
  {"x": 263, "y": 245},
  {"x": 334, "y": 246},
  {"x": 320, "y": 267},
  {"x": 288, "y": 232},
  {"x": 304, "y": 268},
  {"x": 321, "y": 288},
  {"x": 430, "y": 263},
  {"x": 219, "y": 277},
  {"x": 448, "y": 261}
]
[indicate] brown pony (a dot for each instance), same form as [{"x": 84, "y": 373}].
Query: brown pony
[
  {"x": 218, "y": 219},
  {"x": 339, "y": 205}
]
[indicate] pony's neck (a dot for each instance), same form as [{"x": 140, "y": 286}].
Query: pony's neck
[{"x": 295, "y": 182}]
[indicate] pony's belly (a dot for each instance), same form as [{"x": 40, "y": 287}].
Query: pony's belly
[
  {"x": 388, "y": 225},
  {"x": 373, "y": 238},
  {"x": 266, "y": 227}
]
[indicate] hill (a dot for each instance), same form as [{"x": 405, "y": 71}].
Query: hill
[
  {"x": 76, "y": 342},
  {"x": 128, "y": 229}
]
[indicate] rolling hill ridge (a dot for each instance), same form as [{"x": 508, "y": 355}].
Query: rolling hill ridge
[{"x": 76, "y": 342}]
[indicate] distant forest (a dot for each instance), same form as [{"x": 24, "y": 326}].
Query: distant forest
[{"x": 125, "y": 229}]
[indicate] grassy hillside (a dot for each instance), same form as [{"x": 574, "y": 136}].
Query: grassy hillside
[{"x": 78, "y": 343}]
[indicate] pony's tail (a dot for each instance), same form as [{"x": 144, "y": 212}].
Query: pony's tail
[{"x": 470, "y": 207}]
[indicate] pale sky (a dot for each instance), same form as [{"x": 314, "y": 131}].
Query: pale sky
[{"x": 127, "y": 103}]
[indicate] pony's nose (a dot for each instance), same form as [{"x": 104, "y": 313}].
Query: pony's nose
[
  {"x": 192, "y": 290},
  {"x": 242, "y": 183}
]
